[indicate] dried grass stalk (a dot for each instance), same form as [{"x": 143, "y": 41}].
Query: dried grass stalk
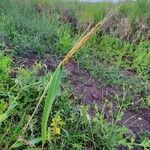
[{"x": 86, "y": 37}]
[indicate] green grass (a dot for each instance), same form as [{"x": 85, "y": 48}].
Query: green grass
[
  {"x": 118, "y": 63},
  {"x": 52, "y": 93},
  {"x": 34, "y": 27}
]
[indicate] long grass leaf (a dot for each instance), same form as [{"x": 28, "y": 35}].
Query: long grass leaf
[{"x": 52, "y": 93}]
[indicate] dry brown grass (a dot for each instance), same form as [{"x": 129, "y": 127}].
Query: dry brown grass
[{"x": 86, "y": 37}]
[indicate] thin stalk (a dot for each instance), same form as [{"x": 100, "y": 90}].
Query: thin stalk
[
  {"x": 75, "y": 48},
  {"x": 85, "y": 38}
]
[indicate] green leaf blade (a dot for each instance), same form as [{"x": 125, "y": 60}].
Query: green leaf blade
[{"x": 54, "y": 85}]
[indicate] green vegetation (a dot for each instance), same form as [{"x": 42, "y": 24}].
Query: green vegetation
[
  {"x": 53, "y": 88},
  {"x": 118, "y": 55}
]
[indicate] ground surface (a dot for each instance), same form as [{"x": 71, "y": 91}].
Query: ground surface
[
  {"x": 104, "y": 98},
  {"x": 90, "y": 91}
]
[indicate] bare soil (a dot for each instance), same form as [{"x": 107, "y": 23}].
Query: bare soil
[{"x": 90, "y": 91}]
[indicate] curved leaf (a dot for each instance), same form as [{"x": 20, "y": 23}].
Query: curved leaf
[{"x": 53, "y": 88}]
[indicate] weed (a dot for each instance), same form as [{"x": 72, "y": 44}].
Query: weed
[
  {"x": 34, "y": 27},
  {"x": 5, "y": 68},
  {"x": 53, "y": 88}
]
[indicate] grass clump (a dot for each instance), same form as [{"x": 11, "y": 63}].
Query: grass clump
[
  {"x": 5, "y": 67},
  {"x": 25, "y": 30}
]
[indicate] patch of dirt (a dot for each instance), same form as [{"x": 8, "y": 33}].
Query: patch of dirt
[
  {"x": 90, "y": 91},
  {"x": 137, "y": 121},
  {"x": 27, "y": 61},
  {"x": 68, "y": 17},
  {"x": 87, "y": 87}
]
